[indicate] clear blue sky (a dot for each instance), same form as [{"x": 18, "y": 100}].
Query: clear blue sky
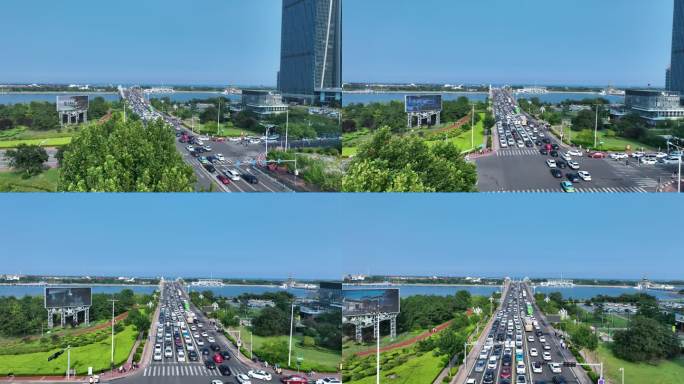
[
  {"x": 621, "y": 42},
  {"x": 141, "y": 41},
  {"x": 329, "y": 235}
]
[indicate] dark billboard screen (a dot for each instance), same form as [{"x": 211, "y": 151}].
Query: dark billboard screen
[
  {"x": 423, "y": 103},
  {"x": 72, "y": 103},
  {"x": 359, "y": 302},
  {"x": 67, "y": 297}
]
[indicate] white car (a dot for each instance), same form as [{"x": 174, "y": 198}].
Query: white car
[
  {"x": 168, "y": 352},
  {"x": 573, "y": 165},
  {"x": 157, "y": 348},
  {"x": 575, "y": 152},
  {"x": 537, "y": 367},
  {"x": 204, "y": 138},
  {"x": 547, "y": 356},
  {"x": 190, "y": 148},
  {"x": 328, "y": 380},
  {"x": 216, "y": 381},
  {"x": 547, "y": 347},
  {"x": 520, "y": 368},
  {"x": 555, "y": 367},
  {"x": 484, "y": 355},
  {"x": 584, "y": 175},
  {"x": 219, "y": 157},
  {"x": 200, "y": 342},
  {"x": 551, "y": 163},
  {"x": 181, "y": 356},
  {"x": 211, "y": 339},
  {"x": 243, "y": 379},
  {"x": 533, "y": 352},
  {"x": 233, "y": 174},
  {"x": 530, "y": 339},
  {"x": 254, "y": 141},
  {"x": 196, "y": 335},
  {"x": 648, "y": 160},
  {"x": 661, "y": 155},
  {"x": 542, "y": 339},
  {"x": 193, "y": 328},
  {"x": 261, "y": 375},
  {"x": 491, "y": 364},
  {"x": 235, "y": 139},
  {"x": 566, "y": 157},
  {"x": 190, "y": 347},
  {"x": 638, "y": 154},
  {"x": 618, "y": 156},
  {"x": 157, "y": 356},
  {"x": 471, "y": 381},
  {"x": 205, "y": 334}
]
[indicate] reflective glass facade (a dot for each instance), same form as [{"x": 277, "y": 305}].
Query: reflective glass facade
[
  {"x": 310, "y": 50},
  {"x": 677, "y": 67}
]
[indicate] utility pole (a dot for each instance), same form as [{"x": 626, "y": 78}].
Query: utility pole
[
  {"x": 68, "y": 361},
  {"x": 377, "y": 343},
  {"x": 596, "y": 129},
  {"x": 218, "y": 118},
  {"x": 111, "y": 362},
  {"x": 472, "y": 128},
  {"x": 289, "y": 353},
  {"x": 287, "y": 124}
]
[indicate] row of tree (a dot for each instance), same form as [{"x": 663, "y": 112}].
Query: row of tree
[{"x": 43, "y": 116}]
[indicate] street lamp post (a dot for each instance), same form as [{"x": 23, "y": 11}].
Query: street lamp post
[
  {"x": 679, "y": 177},
  {"x": 111, "y": 362},
  {"x": 289, "y": 353},
  {"x": 622, "y": 374},
  {"x": 287, "y": 125},
  {"x": 596, "y": 129},
  {"x": 472, "y": 128}
]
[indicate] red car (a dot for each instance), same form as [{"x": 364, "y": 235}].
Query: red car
[
  {"x": 294, "y": 379},
  {"x": 223, "y": 179},
  {"x": 597, "y": 155},
  {"x": 218, "y": 359},
  {"x": 505, "y": 373}
]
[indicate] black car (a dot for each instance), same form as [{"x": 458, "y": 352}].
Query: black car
[
  {"x": 538, "y": 332},
  {"x": 573, "y": 177},
  {"x": 225, "y": 371},
  {"x": 192, "y": 355},
  {"x": 538, "y": 143},
  {"x": 556, "y": 173},
  {"x": 210, "y": 168},
  {"x": 559, "y": 380},
  {"x": 544, "y": 151},
  {"x": 249, "y": 178},
  {"x": 546, "y": 141},
  {"x": 212, "y": 159},
  {"x": 195, "y": 154},
  {"x": 507, "y": 360},
  {"x": 215, "y": 347},
  {"x": 225, "y": 355},
  {"x": 209, "y": 364},
  {"x": 561, "y": 164},
  {"x": 555, "y": 146},
  {"x": 205, "y": 351},
  {"x": 554, "y": 153},
  {"x": 488, "y": 377}
]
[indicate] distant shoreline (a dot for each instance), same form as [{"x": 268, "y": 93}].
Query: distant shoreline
[
  {"x": 484, "y": 285},
  {"x": 473, "y": 92}
]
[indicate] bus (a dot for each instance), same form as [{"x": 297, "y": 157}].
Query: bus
[{"x": 530, "y": 311}]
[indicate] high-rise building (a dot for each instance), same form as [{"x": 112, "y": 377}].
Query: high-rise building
[
  {"x": 311, "y": 52},
  {"x": 677, "y": 64},
  {"x": 668, "y": 79}
]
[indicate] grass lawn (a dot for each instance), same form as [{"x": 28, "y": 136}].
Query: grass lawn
[
  {"x": 417, "y": 370},
  {"x": 226, "y": 130},
  {"x": 349, "y": 151},
  {"x": 464, "y": 141},
  {"x": 610, "y": 142},
  {"x": 319, "y": 359},
  {"x": 666, "y": 372},
  {"x": 45, "y": 182},
  {"x": 94, "y": 355},
  {"x": 352, "y": 347},
  {"x": 48, "y": 142}
]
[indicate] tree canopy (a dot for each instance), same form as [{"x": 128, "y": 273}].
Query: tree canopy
[
  {"x": 645, "y": 340},
  {"x": 29, "y": 159},
  {"x": 392, "y": 163},
  {"x": 125, "y": 157}
]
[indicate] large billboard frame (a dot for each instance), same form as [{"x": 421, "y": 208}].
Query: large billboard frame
[
  {"x": 386, "y": 293},
  {"x": 421, "y": 109},
  {"x": 89, "y": 295},
  {"x": 72, "y": 103}
]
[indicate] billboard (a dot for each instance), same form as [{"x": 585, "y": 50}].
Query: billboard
[
  {"x": 423, "y": 103},
  {"x": 68, "y": 297},
  {"x": 72, "y": 103},
  {"x": 359, "y": 302}
]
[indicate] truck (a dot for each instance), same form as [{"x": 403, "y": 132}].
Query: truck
[{"x": 529, "y": 327}]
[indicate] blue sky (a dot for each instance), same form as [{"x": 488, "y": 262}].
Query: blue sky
[
  {"x": 135, "y": 41},
  {"x": 326, "y": 236},
  {"x": 621, "y": 42}
]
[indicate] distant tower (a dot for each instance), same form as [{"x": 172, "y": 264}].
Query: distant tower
[
  {"x": 677, "y": 64},
  {"x": 668, "y": 79}
]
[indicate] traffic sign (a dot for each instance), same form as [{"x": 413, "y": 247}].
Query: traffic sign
[{"x": 601, "y": 381}]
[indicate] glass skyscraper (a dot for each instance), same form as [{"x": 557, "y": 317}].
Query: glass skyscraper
[
  {"x": 311, "y": 52},
  {"x": 677, "y": 65}
]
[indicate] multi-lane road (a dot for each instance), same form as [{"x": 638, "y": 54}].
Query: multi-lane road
[
  {"x": 177, "y": 339},
  {"x": 240, "y": 156},
  {"x": 517, "y": 164},
  {"x": 521, "y": 347}
]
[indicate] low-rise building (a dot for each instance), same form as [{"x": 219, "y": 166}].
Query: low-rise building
[
  {"x": 654, "y": 105},
  {"x": 263, "y": 103}
]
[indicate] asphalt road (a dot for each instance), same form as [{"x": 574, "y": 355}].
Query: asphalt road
[
  {"x": 558, "y": 354},
  {"x": 172, "y": 371},
  {"x": 525, "y": 170}
]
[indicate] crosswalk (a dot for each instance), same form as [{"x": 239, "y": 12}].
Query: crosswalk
[
  {"x": 580, "y": 190},
  {"x": 518, "y": 152},
  {"x": 178, "y": 370}
]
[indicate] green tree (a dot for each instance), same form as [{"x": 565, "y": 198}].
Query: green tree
[
  {"x": 272, "y": 321},
  {"x": 29, "y": 159},
  {"x": 125, "y": 157},
  {"x": 646, "y": 340},
  {"x": 392, "y": 163},
  {"x": 584, "y": 337},
  {"x": 97, "y": 108}
]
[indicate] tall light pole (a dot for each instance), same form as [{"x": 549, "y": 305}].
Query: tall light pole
[
  {"x": 679, "y": 178},
  {"x": 596, "y": 128},
  {"x": 287, "y": 125},
  {"x": 377, "y": 343},
  {"x": 218, "y": 118},
  {"x": 68, "y": 361},
  {"x": 622, "y": 373},
  {"x": 472, "y": 128},
  {"x": 289, "y": 352},
  {"x": 111, "y": 362}
]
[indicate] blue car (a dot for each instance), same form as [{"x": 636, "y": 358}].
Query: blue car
[{"x": 568, "y": 186}]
